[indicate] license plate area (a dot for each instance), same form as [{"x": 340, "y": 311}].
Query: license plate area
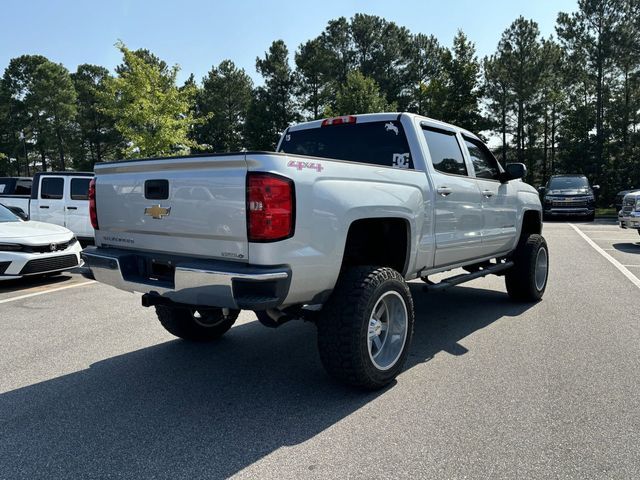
[
  {"x": 160, "y": 271},
  {"x": 148, "y": 270}
]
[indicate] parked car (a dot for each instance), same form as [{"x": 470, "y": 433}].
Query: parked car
[
  {"x": 30, "y": 248},
  {"x": 328, "y": 228},
  {"x": 629, "y": 214},
  {"x": 569, "y": 196},
  {"x": 18, "y": 211},
  {"x": 620, "y": 196},
  {"x": 60, "y": 198}
]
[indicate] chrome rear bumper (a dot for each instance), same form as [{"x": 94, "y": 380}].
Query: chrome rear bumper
[{"x": 190, "y": 281}]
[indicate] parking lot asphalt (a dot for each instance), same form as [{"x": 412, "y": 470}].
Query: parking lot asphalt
[{"x": 91, "y": 386}]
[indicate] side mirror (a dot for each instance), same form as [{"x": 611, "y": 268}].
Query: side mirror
[
  {"x": 513, "y": 171},
  {"x": 541, "y": 190},
  {"x": 595, "y": 188}
]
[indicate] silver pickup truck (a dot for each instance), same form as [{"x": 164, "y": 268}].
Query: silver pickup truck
[
  {"x": 629, "y": 214},
  {"x": 328, "y": 228}
]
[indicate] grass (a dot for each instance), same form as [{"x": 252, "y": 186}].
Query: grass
[{"x": 606, "y": 212}]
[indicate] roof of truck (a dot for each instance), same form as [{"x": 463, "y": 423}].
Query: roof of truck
[{"x": 381, "y": 117}]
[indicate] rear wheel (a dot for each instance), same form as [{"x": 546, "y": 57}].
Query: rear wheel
[
  {"x": 366, "y": 327},
  {"x": 526, "y": 281},
  {"x": 196, "y": 324}
]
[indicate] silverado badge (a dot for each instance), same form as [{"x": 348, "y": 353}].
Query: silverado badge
[{"x": 157, "y": 212}]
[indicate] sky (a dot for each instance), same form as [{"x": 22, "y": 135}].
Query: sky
[{"x": 196, "y": 34}]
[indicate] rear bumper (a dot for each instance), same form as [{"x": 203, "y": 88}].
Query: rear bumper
[{"x": 190, "y": 281}]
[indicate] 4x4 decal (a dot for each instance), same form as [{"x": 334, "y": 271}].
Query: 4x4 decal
[{"x": 301, "y": 165}]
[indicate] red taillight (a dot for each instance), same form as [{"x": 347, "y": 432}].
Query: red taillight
[
  {"x": 270, "y": 207},
  {"x": 339, "y": 120},
  {"x": 93, "y": 214}
]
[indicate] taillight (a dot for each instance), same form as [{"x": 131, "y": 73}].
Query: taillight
[
  {"x": 270, "y": 207},
  {"x": 93, "y": 214}
]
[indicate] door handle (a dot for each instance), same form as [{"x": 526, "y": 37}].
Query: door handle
[
  {"x": 72, "y": 208},
  {"x": 488, "y": 193},
  {"x": 44, "y": 206},
  {"x": 444, "y": 191}
]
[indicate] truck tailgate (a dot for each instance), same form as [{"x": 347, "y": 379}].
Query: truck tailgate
[{"x": 192, "y": 206}]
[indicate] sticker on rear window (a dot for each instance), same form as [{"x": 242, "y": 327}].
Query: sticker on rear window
[
  {"x": 401, "y": 160},
  {"x": 390, "y": 127}
]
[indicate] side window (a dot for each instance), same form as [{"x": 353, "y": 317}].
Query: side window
[
  {"x": 80, "y": 188},
  {"x": 52, "y": 188},
  {"x": 444, "y": 148},
  {"x": 484, "y": 163},
  {"x": 23, "y": 187}
]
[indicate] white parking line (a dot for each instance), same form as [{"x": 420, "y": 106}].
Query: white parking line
[
  {"x": 612, "y": 260},
  {"x": 29, "y": 295}
]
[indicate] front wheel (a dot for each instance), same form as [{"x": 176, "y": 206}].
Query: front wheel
[
  {"x": 366, "y": 327},
  {"x": 526, "y": 281},
  {"x": 196, "y": 324}
]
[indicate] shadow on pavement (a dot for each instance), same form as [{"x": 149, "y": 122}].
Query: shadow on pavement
[
  {"x": 181, "y": 410},
  {"x": 7, "y": 286},
  {"x": 627, "y": 247},
  {"x": 582, "y": 221}
]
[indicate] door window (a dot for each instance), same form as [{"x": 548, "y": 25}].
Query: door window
[
  {"x": 80, "y": 188},
  {"x": 444, "y": 148},
  {"x": 52, "y": 188},
  {"x": 484, "y": 163}
]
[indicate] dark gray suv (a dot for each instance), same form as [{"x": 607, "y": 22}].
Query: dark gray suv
[{"x": 569, "y": 195}]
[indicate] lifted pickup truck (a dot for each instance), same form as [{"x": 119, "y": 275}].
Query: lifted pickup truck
[{"x": 328, "y": 228}]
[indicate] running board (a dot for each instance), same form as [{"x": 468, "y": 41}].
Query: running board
[{"x": 465, "y": 277}]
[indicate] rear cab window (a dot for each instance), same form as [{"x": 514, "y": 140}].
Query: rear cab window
[
  {"x": 80, "y": 188},
  {"x": 381, "y": 143}
]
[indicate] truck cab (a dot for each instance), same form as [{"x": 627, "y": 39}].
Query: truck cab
[{"x": 62, "y": 198}]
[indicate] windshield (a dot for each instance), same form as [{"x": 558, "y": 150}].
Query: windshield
[
  {"x": 561, "y": 183},
  {"x": 7, "y": 215},
  {"x": 379, "y": 143}
]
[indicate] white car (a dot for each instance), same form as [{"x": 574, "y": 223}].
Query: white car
[{"x": 34, "y": 248}]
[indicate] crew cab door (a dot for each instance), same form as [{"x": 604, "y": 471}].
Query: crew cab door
[
  {"x": 458, "y": 212},
  {"x": 499, "y": 200},
  {"x": 49, "y": 205},
  {"x": 77, "y": 206}
]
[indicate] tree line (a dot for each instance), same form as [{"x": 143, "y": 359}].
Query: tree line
[{"x": 563, "y": 104}]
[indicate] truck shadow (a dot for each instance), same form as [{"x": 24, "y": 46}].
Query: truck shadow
[
  {"x": 180, "y": 410},
  {"x": 7, "y": 286},
  {"x": 627, "y": 247}
]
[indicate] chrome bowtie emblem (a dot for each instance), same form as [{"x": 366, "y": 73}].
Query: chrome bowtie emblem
[{"x": 157, "y": 212}]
